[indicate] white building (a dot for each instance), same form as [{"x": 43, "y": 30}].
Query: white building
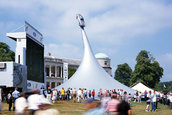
[
  {"x": 27, "y": 72},
  {"x": 105, "y": 62},
  {"x": 54, "y": 69},
  {"x": 13, "y": 75}
]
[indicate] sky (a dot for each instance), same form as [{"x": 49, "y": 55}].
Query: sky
[{"x": 118, "y": 28}]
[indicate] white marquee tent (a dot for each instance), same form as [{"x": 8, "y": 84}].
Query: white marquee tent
[
  {"x": 90, "y": 74},
  {"x": 141, "y": 87}
]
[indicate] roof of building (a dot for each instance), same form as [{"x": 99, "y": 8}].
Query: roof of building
[
  {"x": 62, "y": 60},
  {"x": 102, "y": 55}
]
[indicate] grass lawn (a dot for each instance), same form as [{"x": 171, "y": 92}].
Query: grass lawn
[{"x": 70, "y": 108}]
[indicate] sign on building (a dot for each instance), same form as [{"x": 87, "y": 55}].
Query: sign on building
[{"x": 65, "y": 71}]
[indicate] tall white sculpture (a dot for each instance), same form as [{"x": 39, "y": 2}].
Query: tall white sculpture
[{"x": 90, "y": 74}]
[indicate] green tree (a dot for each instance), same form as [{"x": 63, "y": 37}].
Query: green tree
[
  {"x": 5, "y": 53},
  {"x": 123, "y": 73},
  {"x": 71, "y": 71},
  {"x": 147, "y": 70},
  {"x": 164, "y": 86}
]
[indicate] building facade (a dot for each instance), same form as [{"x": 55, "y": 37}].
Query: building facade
[
  {"x": 105, "y": 62},
  {"x": 55, "y": 68}
]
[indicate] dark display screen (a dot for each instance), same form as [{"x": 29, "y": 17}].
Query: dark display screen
[{"x": 34, "y": 61}]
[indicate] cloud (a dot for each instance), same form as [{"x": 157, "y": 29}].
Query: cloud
[{"x": 111, "y": 22}]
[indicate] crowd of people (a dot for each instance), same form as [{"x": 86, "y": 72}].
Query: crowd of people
[
  {"x": 32, "y": 103},
  {"x": 153, "y": 97},
  {"x": 110, "y": 102}
]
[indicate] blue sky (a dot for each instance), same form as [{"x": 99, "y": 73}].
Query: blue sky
[{"x": 118, "y": 28}]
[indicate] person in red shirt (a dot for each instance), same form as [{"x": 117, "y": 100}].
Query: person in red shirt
[{"x": 93, "y": 93}]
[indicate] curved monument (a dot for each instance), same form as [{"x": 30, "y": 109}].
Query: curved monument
[{"x": 90, "y": 74}]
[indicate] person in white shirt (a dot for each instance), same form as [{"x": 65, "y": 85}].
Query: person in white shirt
[
  {"x": 46, "y": 108},
  {"x": 148, "y": 101},
  {"x": 34, "y": 101},
  {"x": 21, "y": 105},
  {"x": 154, "y": 97},
  {"x": 105, "y": 100},
  {"x": 54, "y": 95},
  {"x": 170, "y": 98},
  {"x": 79, "y": 94}
]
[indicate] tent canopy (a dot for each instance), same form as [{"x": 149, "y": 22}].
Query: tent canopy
[
  {"x": 91, "y": 75},
  {"x": 141, "y": 87}
]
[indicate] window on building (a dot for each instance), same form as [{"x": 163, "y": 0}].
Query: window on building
[
  {"x": 52, "y": 71},
  {"x": 47, "y": 71},
  {"x": 105, "y": 62},
  {"x": 48, "y": 84},
  {"x": 53, "y": 85},
  {"x": 18, "y": 58},
  {"x": 59, "y": 71}
]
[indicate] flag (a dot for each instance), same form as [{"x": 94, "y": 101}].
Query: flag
[{"x": 164, "y": 86}]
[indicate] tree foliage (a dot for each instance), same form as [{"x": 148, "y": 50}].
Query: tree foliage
[
  {"x": 71, "y": 71},
  {"x": 5, "y": 53},
  {"x": 147, "y": 70},
  {"x": 123, "y": 73},
  {"x": 164, "y": 86}
]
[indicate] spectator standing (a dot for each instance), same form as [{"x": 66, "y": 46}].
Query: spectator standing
[
  {"x": 148, "y": 101},
  {"x": 118, "y": 92},
  {"x": 62, "y": 93},
  {"x": 124, "y": 108},
  {"x": 21, "y": 105},
  {"x": 170, "y": 98},
  {"x": 45, "y": 93},
  {"x": 34, "y": 101},
  {"x": 54, "y": 95},
  {"x": 124, "y": 97},
  {"x": 89, "y": 93},
  {"x": 49, "y": 93},
  {"x": 105, "y": 100},
  {"x": 71, "y": 94},
  {"x": 100, "y": 94},
  {"x": 112, "y": 105},
  {"x": 145, "y": 93},
  {"x": 161, "y": 97},
  {"x": 139, "y": 97},
  {"x": 15, "y": 95},
  {"x": 154, "y": 98},
  {"x": 93, "y": 93},
  {"x": 121, "y": 93},
  {"x": 68, "y": 94},
  {"x": 85, "y": 93},
  {"x": 79, "y": 94},
  {"x": 9, "y": 100},
  {"x": 129, "y": 98}
]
